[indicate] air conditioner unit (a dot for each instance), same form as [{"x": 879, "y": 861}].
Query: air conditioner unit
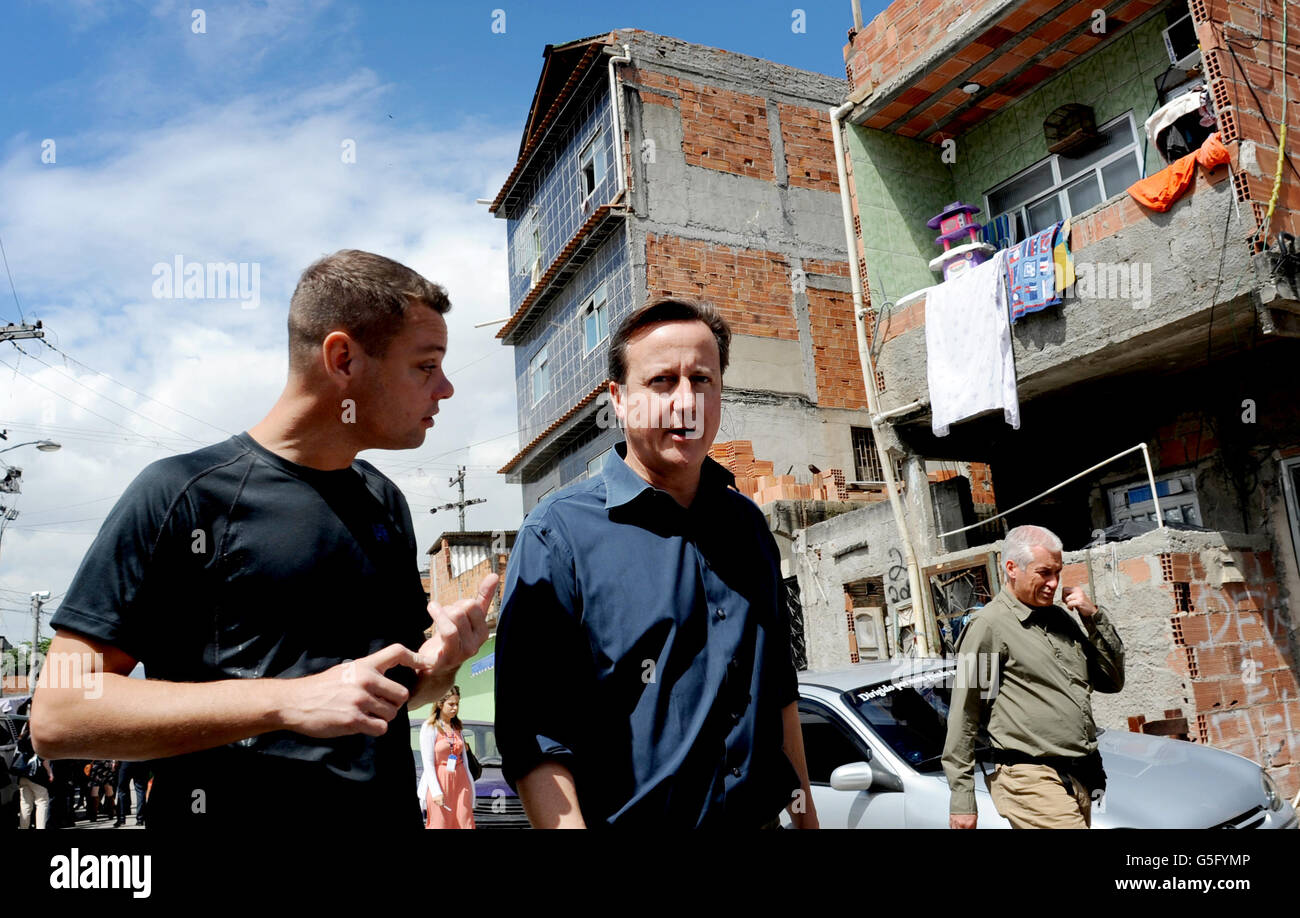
[{"x": 1181, "y": 44}]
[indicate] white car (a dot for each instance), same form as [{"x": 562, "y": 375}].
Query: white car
[{"x": 874, "y": 734}]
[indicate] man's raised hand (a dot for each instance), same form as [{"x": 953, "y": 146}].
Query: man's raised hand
[
  {"x": 459, "y": 630},
  {"x": 353, "y": 697}
]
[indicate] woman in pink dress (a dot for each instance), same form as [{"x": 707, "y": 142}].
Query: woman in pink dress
[{"x": 447, "y": 787}]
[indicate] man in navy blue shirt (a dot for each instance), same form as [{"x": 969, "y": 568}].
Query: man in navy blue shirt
[{"x": 643, "y": 668}]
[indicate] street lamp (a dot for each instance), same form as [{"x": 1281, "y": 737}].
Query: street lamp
[
  {"x": 11, "y": 480},
  {"x": 45, "y": 446}
]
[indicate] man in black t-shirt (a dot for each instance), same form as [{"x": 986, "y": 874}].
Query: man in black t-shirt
[{"x": 269, "y": 585}]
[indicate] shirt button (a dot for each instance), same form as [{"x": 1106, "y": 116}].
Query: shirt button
[
  {"x": 735, "y": 772},
  {"x": 720, "y": 613},
  {"x": 735, "y": 717}
]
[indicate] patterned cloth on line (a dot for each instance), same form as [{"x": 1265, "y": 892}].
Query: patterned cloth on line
[{"x": 1031, "y": 274}]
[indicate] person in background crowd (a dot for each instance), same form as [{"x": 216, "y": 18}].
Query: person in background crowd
[
  {"x": 101, "y": 774},
  {"x": 33, "y": 789},
  {"x": 447, "y": 787},
  {"x": 129, "y": 773}
]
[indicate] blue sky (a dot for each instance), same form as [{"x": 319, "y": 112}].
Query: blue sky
[{"x": 225, "y": 146}]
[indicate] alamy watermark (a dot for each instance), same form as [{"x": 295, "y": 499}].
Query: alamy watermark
[
  {"x": 60, "y": 670},
  {"x": 1101, "y": 280},
  {"x": 214, "y": 280}
]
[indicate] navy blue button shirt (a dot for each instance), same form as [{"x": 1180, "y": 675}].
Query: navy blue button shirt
[{"x": 646, "y": 647}]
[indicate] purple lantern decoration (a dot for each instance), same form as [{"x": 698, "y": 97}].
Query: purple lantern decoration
[{"x": 962, "y": 249}]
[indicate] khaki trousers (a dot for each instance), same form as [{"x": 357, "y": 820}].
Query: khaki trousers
[{"x": 1035, "y": 797}]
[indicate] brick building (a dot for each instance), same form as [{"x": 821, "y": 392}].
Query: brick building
[
  {"x": 706, "y": 174},
  {"x": 1192, "y": 358},
  {"x": 458, "y": 561}
]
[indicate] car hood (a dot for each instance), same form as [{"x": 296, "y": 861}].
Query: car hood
[
  {"x": 1158, "y": 783},
  {"x": 1153, "y": 782}
]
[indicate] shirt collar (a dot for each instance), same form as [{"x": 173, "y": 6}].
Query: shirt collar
[
  {"x": 1022, "y": 611},
  {"x": 622, "y": 485}
]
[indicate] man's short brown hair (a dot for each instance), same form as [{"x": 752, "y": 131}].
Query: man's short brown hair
[
  {"x": 667, "y": 309},
  {"x": 363, "y": 294}
]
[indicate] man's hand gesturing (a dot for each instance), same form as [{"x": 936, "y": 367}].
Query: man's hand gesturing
[
  {"x": 353, "y": 697},
  {"x": 459, "y": 630}
]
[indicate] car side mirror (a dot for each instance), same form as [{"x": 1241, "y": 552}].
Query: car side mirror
[{"x": 856, "y": 776}]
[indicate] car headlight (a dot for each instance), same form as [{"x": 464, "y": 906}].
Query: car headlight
[{"x": 1271, "y": 793}]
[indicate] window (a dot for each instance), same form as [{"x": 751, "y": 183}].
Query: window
[
  {"x": 591, "y": 163},
  {"x": 529, "y": 247},
  {"x": 866, "y": 461},
  {"x": 595, "y": 465},
  {"x": 1062, "y": 186},
  {"x": 540, "y": 375},
  {"x": 1176, "y": 493},
  {"x": 827, "y": 743},
  {"x": 595, "y": 318}
]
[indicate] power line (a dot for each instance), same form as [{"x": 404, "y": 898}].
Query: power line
[
  {"x": 21, "y": 317},
  {"x": 42, "y": 385},
  {"x": 67, "y": 356},
  {"x": 78, "y": 382}
]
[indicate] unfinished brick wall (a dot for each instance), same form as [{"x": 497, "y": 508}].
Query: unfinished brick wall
[
  {"x": 1242, "y": 47},
  {"x": 809, "y": 148},
  {"x": 450, "y": 588},
  {"x": 1228, "y": 643},
  {"x": 721, "y": 129},
  {"x": 755, "y": 478},
  {"x": 907, "y": 29},
  {"x": 751, "y": 287},
  {"x": 835, "y": 350}
]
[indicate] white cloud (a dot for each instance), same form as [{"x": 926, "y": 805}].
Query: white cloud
[{"x": 259, "y": 179}]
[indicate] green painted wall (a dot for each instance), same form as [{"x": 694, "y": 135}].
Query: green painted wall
[
  {"x": 477, "y": 700},
  {"x": 1120, "y": 77},
  {"x": 901, "y": 183}
]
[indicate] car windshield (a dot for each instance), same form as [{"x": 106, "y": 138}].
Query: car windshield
[
  {"x": 910, "y": 713},
  {"x": 481, "y": 737}
]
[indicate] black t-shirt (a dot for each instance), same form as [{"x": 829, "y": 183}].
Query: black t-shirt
[{"x": 232, "y": 562}]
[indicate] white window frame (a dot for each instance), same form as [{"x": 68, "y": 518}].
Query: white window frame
[
  {"x": 1061, "y": 183},
  {"x": 599, "y": 461},
  {"x": 1287, "y": 467},
  {"x": 591, "y": 156},
  {"x": 535, "y": 366},
  {"x": 597, "y": 304},
  {"x": 1171, "y": 505},
  {"x": 529, "y": 248}
]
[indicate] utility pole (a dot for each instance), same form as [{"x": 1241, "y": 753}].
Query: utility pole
[
  {"x": 39, "y": 599},
  {"x": 460, "y": 505},
  {"x": 13, "y": 332}
]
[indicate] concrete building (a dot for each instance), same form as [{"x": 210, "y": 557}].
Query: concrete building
[
  {"x": 1181, "y": 340},
  {"x": 651, "y": 166}
]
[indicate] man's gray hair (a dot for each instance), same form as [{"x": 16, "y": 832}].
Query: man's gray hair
[{"x": 1019, "y": 544}]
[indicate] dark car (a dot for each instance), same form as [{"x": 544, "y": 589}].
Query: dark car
[{"x": 496, "y": 806}]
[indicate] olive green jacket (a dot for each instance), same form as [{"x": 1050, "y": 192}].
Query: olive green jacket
[{"x": 1027, "y": 674}]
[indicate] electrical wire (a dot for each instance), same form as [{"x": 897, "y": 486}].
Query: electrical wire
[
  {"x": 36, "y": 382},
  {"x": 67, "y": 356},
  {"x": 128, "y": 408},
  {"x": 1281, "y": 141},
  {"x": 21, "y": 318}
]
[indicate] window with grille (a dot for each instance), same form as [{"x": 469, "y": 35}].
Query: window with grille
[
  {"x": 1061, "y": 186},
  {"x": 866, "y": 461}
]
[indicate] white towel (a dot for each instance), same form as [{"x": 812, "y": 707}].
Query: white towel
[{"x": 968, "y": 347}]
